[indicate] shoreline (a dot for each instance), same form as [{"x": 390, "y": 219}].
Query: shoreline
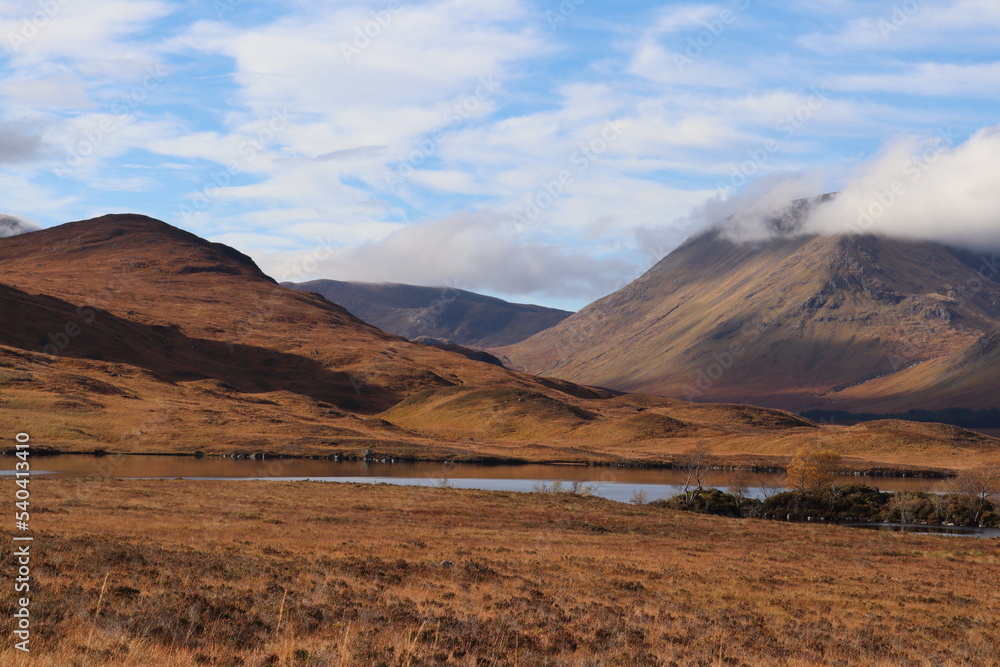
[{"x": 862, "y": 469}]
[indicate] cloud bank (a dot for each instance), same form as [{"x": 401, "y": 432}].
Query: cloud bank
[
  {"x": 11, "y": 225},
  {"x": 930, "y": 188},
  {"x": 476, "y": 251}
]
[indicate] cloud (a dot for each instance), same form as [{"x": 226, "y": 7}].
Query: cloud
[
  {"x": 99, "y": 39},
  {"x": 19, "y": 142},
  {"x": 956, "y": 24},
  {"x": 763, "y": 210},
  {"x": 926, "y": 189},
  {"x": 685, "y": 17},
  {"x": 476, "y": 251},
  {"x": 11, "y": 225},
  {"x": 929, "y": 188},
  {"x": 928, "y": 80},
  {"x": 358, "y": 153}
]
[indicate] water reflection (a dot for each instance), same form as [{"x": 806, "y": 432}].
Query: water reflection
[{"x": 608, "y": 482}]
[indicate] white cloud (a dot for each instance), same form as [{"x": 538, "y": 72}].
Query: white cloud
[
  {"x": 927, "y": 80},
  {"x": 923, "y": 189},
  {"x": 98, "y": 38},
  {"x": 477, "y": 251},
  {"x": 916, "y": 188},
  {"x": 11, "y": 225},
  {"x": 684, "y": 17},
  {"x": 909, "y": 24}
]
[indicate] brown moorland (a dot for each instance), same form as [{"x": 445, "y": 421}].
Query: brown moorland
[
  {"x": 126, "y": 334},
  {"x": 274, "y": 573}
]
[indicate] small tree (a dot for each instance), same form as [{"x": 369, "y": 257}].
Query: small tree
[
  {"x": 811, "y": 470},
  {"x": 977, "y": 486},
  {"x": 639, "y": 497},
  {"x": 695, "y": 466},
  {"x": 739, "y": 483},
  {"x": 768, "y": 487}
]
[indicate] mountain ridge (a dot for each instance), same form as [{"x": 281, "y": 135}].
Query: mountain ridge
[
  {"x": 787, "y": 322},
  {"x": 445, "y": 313}
]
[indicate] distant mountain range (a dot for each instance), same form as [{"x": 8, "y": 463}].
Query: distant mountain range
[
  {"x": 443, "y": 313},
  {"x": 125, "y": 334},
  {"x": 856, "y": 322}
]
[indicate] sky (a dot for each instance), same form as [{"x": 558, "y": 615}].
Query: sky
[{"x": 544, "y": 152}]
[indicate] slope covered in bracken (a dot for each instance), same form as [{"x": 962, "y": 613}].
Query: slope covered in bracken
[
  {"x": 790, "y": 322},
  {"x": 126, "y": 334}
]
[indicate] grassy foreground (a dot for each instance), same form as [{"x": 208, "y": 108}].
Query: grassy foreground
[{"x": 272, "y": 573}]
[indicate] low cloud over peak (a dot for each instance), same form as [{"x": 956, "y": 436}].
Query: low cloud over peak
[
  {"x": 930, "y": 188},
  {"x": 11, "y": 225},
  {"x": 478, "y": 251}
]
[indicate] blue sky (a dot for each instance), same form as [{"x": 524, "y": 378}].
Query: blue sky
[{"x": 538, "y": 151}]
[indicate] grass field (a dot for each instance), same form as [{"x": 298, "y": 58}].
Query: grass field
[{"x": 256, "y": 573}]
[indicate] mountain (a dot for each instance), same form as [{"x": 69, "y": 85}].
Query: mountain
[
  {"x": 791, "y": 322},
  {"x": 443, "y": 313},
  {"x": 966, "y": 378},
  {"x": 126, "y": 334},
  {"x": 208, "y": 312}
]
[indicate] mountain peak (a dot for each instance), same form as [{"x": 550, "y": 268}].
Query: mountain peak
[
  {"x": 788, "y": 321},
  {"x": 136, "y": 241}
]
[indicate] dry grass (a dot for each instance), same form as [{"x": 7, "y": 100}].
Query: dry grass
[{"x": 238, "y": 573}]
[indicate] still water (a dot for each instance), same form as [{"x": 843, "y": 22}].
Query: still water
[{"x": 612, "y": 483}]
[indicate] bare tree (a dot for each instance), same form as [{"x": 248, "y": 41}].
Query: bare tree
[
  {"x": 695, "y": 464},
  {"x": 739, "y": 483},
  {"x": 768, "y": 487},
  {"x": 902, "y": 503}
]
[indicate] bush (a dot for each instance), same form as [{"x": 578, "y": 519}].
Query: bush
[
  {"x": 845, "y": 504},
  {"x": 712, "y": 501},
  {"x": 852, "y": 503}
]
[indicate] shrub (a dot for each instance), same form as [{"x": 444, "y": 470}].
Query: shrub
[
  {"x": 849, "y": 503},
  {"x": 712, "y": 501}
]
